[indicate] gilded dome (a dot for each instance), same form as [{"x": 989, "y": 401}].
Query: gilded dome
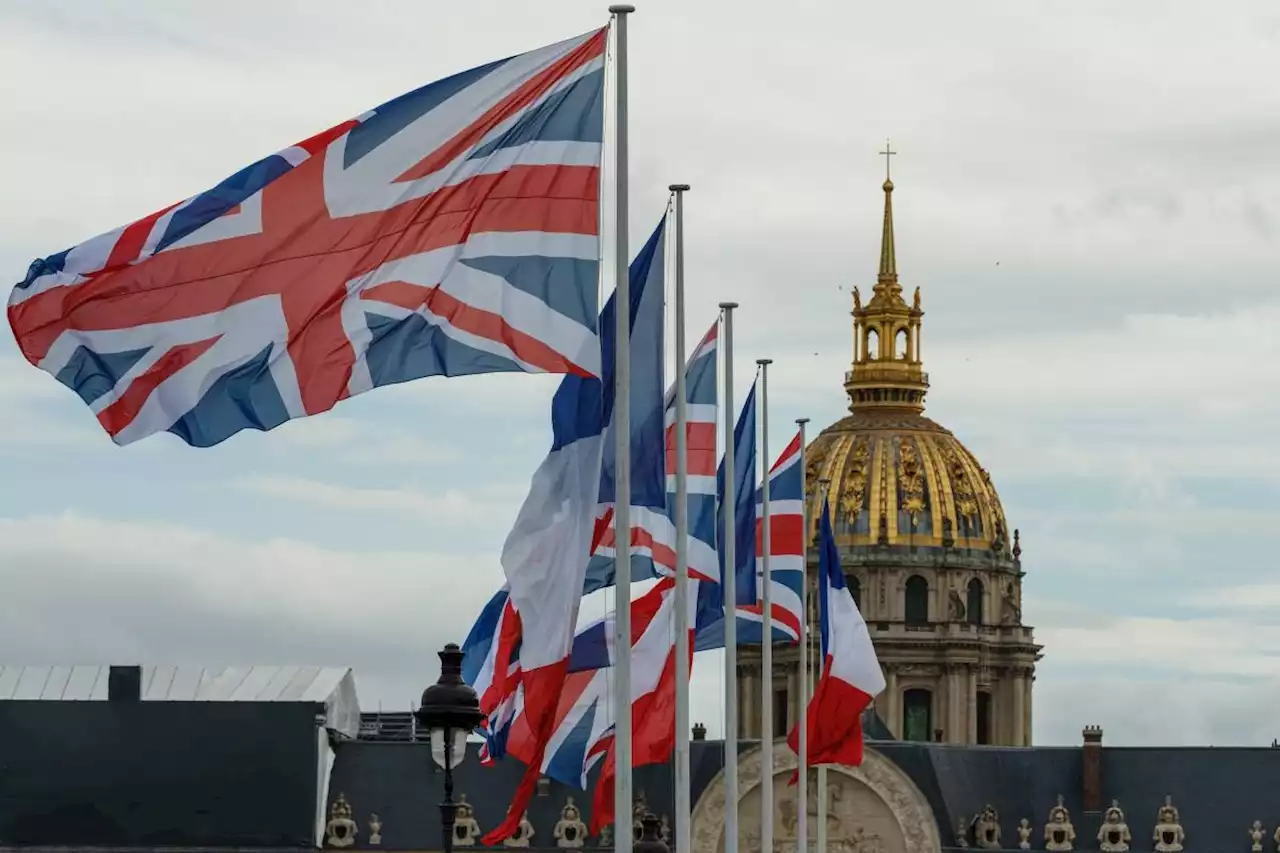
[
  {"x": 895, "y": 477},
  {"x": 898, "y": 478}
]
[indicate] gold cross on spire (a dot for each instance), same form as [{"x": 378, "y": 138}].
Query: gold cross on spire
[{"x": 887, "y": 152}]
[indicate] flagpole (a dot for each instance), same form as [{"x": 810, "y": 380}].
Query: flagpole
[
  {"x": 766, "y": 628},
  {"x": 802, "y": 791},
  {"x": 823, "y": 485},
  {"x": 622, "y": 456},
  {"x": 683, "y": 795},
  {"x": 729, "y": 587}
]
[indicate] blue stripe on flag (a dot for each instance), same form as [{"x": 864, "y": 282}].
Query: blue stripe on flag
[
  {"x": 92, "y": 374},
  {"x": 575, "y": 114},
  {"x": 398, "y": 113},
  {"x": 567, "y": 285},
  {"x": 401, "y": 350},
  {"x": 244, "y": 398}
]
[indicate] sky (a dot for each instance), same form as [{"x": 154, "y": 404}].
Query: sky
[{"x": 1088, "y": 198}]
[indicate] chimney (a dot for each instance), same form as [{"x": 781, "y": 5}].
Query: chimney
[
  {"x": 699, "y": 731},
  {"x": 1092, "y": 768},
  {"x": 124, "y": 684}
]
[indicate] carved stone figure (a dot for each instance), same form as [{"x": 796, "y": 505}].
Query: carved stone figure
[
  {"x": 1113, "y": 835},
  {"x": 915, "y": 300},
  {"x": 606, "y": 836},
  {"x": 955, "y": 606},
  {"x": 1256, "y": 835},
  {"x": 524, "y": 832},
  {"x": 466, "y": 830},
  {"x": 665, "y": 830},
  {"x": 1059, "y": 834},
  {"x": 1168, "y": 835},
  {"x": 986, "y": 828},
  {"x": 341, "y": 830},
  {"x": 1011, "y": 612},
  {"x": 375, "y": 829},
  {"x": 962, "y": 832},
  {"x": 1024, "y": 834},
  {"x": 857, "y": 300},
  {"x": 570, "y": 831},
  {"x": 638, "y": 810}
]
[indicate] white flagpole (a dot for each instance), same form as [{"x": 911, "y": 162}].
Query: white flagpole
[
  {"x": 727, "y": 583},
  {"x": 766, "y": 628},
  {"x": 622, "y": 456},
  {"x": 683, "y": 796},
  {"x": 823, "y": 485},
  {"x": 802, "y": 783}
]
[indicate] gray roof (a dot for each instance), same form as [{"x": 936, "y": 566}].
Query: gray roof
[{"x": 334, "y": 687}]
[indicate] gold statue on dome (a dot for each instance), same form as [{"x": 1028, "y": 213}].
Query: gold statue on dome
[
  {"x": 341, "y": 830},
  {"x": 570, "y": 831},
  {"x": 1113, "y": 835},
  {"x": 915, "y": 301},
  {"x": 857, "y": 299},
  {"x": 1059, "y": 834},
  {"x": 1168, "y": 835}
]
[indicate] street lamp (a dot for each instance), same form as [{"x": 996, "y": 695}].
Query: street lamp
[{"x": 450, "y": 710}]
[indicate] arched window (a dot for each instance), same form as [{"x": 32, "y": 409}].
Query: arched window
[
  {"x": 901, "y": 347},
  {"x": 873, "y": 344},
  {"x": 984, "y": 717},
  {"x": 917, "y": 601},
  {"x": 917, "y": 715},
  {"x": 855, "y": 590},
  {"x": 973, "y": 605}
]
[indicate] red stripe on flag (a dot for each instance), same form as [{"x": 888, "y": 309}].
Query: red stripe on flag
[
  {"x": 483, "y": 324},
  {"x": 132, "y": 239},
  {"x": 121, "y": 413},
  {"x": 786, "y": 532},
  {"x": 529, "y": 92}
]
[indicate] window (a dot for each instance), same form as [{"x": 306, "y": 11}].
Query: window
[
  {"x": 901, "y": 347},
  {"x": 855, "y": 590},
  {"x": 917, "y": 601},
  {"x": 873, "y": 344},
  {"x": 780, "y": 708},
  {"x": 984, "y": 717},
  {"x": 973, "y": 605},
  {"x": 917, "y": 715}
]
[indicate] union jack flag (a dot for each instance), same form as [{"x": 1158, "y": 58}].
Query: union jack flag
[{"x": 450, "y": 231}]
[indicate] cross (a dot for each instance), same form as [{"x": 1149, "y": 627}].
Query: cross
[{"x": 887, "y": 152}]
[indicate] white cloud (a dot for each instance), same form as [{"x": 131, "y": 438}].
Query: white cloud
[{"x": 450, "y": 506}]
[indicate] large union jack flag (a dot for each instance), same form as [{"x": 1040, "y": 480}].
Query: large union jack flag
[{"x": 450, "y": 231}]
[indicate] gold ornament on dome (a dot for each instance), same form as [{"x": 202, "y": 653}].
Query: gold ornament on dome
[
  {"x": 910, "y": 479},
  {"x": 853, "y": 497},
  {"x": 961, "y": 488}
]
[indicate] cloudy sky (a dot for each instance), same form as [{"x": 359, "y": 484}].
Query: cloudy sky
[{"x": 1089, "y": 199}]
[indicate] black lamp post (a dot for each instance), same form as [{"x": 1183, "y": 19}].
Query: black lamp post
[{"x": 450, "y": 711}]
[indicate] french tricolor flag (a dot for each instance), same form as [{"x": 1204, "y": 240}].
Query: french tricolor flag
[{"x": 851, "y": 676}]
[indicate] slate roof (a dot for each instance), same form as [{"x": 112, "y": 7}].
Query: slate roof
[{"x": 244, "y": 774}]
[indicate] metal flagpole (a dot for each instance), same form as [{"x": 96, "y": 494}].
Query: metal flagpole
[
  {"x": 727, "y": 583},
  {"x": 819, "y": 502},
  {"x": 766, "y": 627},
  {"x": 622, "y": 456},
  {"x": 802, "y": 783},
  {"x": 683, "y": 796}
]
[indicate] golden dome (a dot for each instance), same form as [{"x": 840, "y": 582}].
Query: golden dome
[
  {"x": 895, "y": 477},
  {"x": 898, "y": 478}
]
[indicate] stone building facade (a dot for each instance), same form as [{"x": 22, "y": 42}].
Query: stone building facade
[{"x": 925, "y": 545}]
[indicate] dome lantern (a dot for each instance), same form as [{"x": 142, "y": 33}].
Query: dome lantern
[{"x": 887, "y": 372}]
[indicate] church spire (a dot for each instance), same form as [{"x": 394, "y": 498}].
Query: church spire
[
  {"x": 888, "y": 257},
  {"x": 887, "y": 371}
]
